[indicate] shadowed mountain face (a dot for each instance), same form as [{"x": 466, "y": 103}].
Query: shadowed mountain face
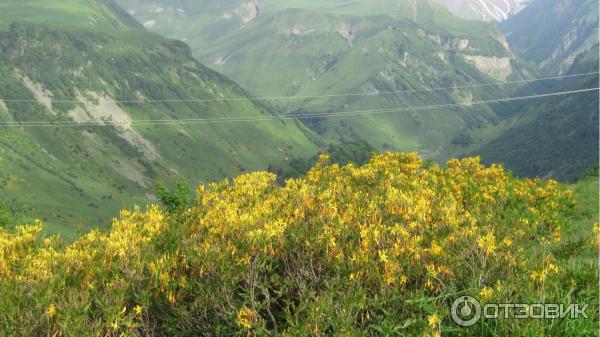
[
  {"x": 555, "y": 138},
  {"x": 564, "y": 31},
  {"x": 486, "y": 10},
  {"x": 87, "y": 156}
]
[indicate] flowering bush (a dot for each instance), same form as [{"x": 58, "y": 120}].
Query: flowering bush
[{"x": 381, "y": 249}]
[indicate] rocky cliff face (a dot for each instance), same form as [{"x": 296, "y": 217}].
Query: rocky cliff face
[
  {"x": 486, "y": 10},
  {"x": 248, "y": 11},
  {"x": 496, "y": 67},
  {"x": 581, "y": 38},
  {"x": 565, "y": 30}
]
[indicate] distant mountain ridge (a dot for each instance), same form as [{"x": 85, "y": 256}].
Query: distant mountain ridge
[
  {"x": 485, "y": 10},
  {"x": 564, "y": 30}
]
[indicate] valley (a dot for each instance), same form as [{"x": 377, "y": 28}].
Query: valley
[
  {"x": 380, "y": 54},
  {"x": 353, "y": 52}
]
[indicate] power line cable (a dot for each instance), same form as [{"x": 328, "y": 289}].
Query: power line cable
[{"x": 283, "y": 117}]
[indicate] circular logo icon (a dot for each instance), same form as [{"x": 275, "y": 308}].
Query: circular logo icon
[{"x": 466, "y": 311}]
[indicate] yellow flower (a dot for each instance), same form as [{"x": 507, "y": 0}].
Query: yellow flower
[
  {"x": 553, "y": 268},
  {"x": 488, "y": 243},
  {"x": 51, "y": 312},
  {"x": 433, "y": 320},
  {"x": 171, "y": 298},
  {"x": 506, "y": 242},
  {"x": 383, "y": 256},
  {"x": 403, "y": 280},
  {"x": 432, "y": 270},
  {"x": 245, "y": 318},
  {"x": 138, "y": 309},
  {"x": 486, "y": 293},
  {"x": 435, "y": 249}
]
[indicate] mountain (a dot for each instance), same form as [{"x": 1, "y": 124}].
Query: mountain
[
  {"x": 563, "y": 31},
  {"x": 79, "y": 85},
  {"x": 348, "y": 51},
  {"x": 557, "y": 137},
  {"x": 486, "y": 10}
]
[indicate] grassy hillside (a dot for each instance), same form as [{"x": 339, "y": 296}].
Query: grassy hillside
[
  {"x": 376, "y": 250},
  {"x": 586, "y": 194},
  {"x": 66, "y": 63},
  {"x": 307, "y": 48},
  {"x": 70, "y": 14}
]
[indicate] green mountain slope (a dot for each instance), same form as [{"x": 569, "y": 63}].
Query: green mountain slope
[
  {"x": 557, "y": 137},
  {"x": 551, "y": 34},
  {"x": 68, "y": 62},
  {"x": 335, "y": 47}
]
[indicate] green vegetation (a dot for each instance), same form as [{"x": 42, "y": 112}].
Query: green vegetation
[
  {"x": 175, "y": 199},
  {"x": 554, "y": 137},
  {"x": 376, "y": 250},
  {"x": 11, "y": 214},
  {"x": 357, "y": 153},
  {"x": 85, "y": 174},
  {"x": 586, "y": 194},
  {"x": 69, "y": 14}
]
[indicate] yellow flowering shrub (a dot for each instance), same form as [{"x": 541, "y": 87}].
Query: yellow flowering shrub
[{"x": 353, "y": 251}]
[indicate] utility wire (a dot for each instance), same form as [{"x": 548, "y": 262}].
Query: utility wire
[
  {"x": 283, "y": 117},
  {"x": 152, "y": 101}
]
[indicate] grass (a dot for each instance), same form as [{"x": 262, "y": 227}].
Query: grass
[{"x": 586, "y": 194}]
